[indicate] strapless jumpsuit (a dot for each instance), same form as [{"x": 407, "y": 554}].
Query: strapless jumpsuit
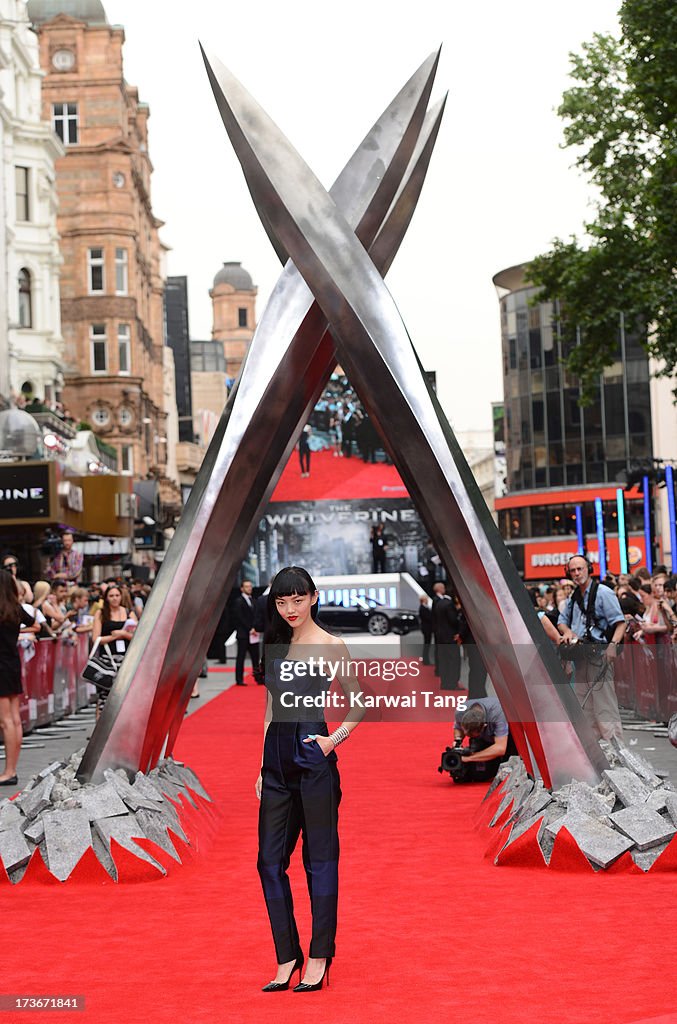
[{"x": 301, "y": 793}]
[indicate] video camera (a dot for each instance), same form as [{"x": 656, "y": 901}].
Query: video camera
[
  {"x": 452, "y": 758},
  {"x": 581, "y": 649}
]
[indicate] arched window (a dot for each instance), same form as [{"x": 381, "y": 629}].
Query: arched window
[{"x": 25, "y": 299}]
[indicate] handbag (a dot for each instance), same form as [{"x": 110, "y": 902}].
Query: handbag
[{"x": 102, "y": 666}]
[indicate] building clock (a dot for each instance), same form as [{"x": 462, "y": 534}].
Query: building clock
[
  {"x": 63, "y": 60},
  {"x": 100, "y": 415},
  {"x": 118, "y": 179},
  {"x": 126, "y": 416}
]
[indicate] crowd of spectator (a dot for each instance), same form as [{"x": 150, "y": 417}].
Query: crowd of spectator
[
  {"x": 56, "y": 608},
  {"x": 648, "y": 601}
]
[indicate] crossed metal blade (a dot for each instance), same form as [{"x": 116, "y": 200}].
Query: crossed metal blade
[
  {"x": 327, "y": 236},
  {"x": 290, "y": 358}
]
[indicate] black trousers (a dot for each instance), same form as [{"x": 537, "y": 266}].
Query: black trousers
[
  {"x": 300, "y": 796},
  {"x": 448, "y": 665},
  {"x": 244, "y": 647},
  {"x": 477, "y": 673},
  {"x": 427, "y": 644},
  {"x": 304, "y": 459}
]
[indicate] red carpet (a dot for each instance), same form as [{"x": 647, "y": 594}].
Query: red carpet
[
  {"x": 338, "y": 478},
  {"x": 429, "y": 929}
]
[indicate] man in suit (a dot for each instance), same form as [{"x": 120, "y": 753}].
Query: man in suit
[
  {"x": 477, "y": 673},
  {"x": 247, "y": 637},
  {"x": 425, "y": 618},
  {"x": 261, "y": 625},
  {"x": 446, "y": 627}
]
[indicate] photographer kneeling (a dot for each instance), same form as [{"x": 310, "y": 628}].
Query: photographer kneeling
[
  {"x": 593, "y": 626},
  {"x": 485, "y": 725}
]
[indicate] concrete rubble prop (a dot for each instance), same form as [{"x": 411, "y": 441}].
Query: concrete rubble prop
[
  {"x": 59, "y": 819},
  {"x": 14, "y": 850},
  {"x": 632, "y": 809},
  {"x": 67, "y": 836},
  {"x": 645, "y": 827}
]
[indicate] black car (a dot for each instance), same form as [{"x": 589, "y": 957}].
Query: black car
[{"x": 368, "y": 616}]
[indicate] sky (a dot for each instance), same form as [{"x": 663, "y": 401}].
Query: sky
[{"x": 500, "y": 185}]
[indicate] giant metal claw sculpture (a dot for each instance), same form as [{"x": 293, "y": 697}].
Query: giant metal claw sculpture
[{"x": 340, "y": 242}]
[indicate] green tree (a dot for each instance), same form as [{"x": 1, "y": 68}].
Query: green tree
[{"x": 621, "y": 114}]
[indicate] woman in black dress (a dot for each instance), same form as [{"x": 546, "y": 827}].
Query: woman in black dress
[
  {"x": 12, "y": 616},
  {"x": 299, "y": 784}
]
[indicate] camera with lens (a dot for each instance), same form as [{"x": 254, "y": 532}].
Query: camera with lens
[
  {"x": 52, "y": 543},
  {"x": 452, "y": 758},
  {"x": 584, "y": 648}
]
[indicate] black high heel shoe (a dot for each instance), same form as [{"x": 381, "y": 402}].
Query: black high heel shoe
[
  {"x": 282, "y": 986},
  {"x": 302, "y": 987}
]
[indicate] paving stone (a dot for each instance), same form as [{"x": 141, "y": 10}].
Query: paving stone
[
  {"x": 36, "y": 831},
  {"x": 520, "y": 827},
  {"x": 50, "y": 769},
  {"x": 600, "y": 844},
  {"x": 645, "y": 859},
  {"x": 125, "y": 830},
  {"x": 639, "y": 765},
  {"x": 504, "y": 804},
  {"x": 586, "y": 800},
  {"x": 14, "y": 850},
  {"x": 67, "y": 836},
  {"x": 147, "y": 789},
  {"x": 658, "y": 800},
  {"x": 520, "y": 796},
  {"x": 170, "y": 789},
  {"x": 131, "y": 797},
  {"x": 562, "y": 794},
  {"x": 103, "y": 855},
  {"x": 191, "y": 779},
  {"x": 37, "y": 799},
  {"x": 628, "y": 788},
  {"x": 102, "y": 801},
  {"x": 154, "y": 825},
  {"x": 552, "y": 812},
  {"x": 671, "y": 807},
  {"x": 610, "y": 752},
  {"x": 645, "y": 827},
  {"x": 537, "y": 802},
  {"x": 169, "y": 769},
  {"x": 9, "y": 815}
]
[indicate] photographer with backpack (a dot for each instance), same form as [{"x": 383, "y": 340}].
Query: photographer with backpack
[{"x": 593, "y": 627}]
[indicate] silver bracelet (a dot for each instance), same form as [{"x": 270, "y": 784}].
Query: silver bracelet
[{"x": 339, "y": 735}]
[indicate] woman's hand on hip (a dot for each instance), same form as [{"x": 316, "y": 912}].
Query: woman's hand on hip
[{"x": 259, "y": 785}]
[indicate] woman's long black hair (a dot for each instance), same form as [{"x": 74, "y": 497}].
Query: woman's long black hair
[
  {"x": 10, "y": 606},
  {"x": 289, "y": 581}
]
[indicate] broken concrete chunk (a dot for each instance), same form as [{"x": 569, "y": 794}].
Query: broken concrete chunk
[
  {"x": 629, "y": 789},
  {"x": 645, "y": 827}
]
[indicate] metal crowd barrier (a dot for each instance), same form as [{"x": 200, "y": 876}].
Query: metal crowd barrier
[
  {"x": 646, "y": 680},
  {"x": 51, "y": 674}
]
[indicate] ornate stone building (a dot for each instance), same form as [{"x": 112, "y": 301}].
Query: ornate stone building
[
  {"x": 233, "y": 298},
  {"x": 215, "y": 364},
  {"x": 112, "y": 281},
  {"x": 30, "y": 333}
]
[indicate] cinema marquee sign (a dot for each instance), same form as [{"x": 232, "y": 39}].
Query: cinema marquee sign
[{"x": 27, "y": 493}]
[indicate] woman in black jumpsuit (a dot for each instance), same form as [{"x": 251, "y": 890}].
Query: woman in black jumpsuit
[{"x": 299, "y": 785}]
